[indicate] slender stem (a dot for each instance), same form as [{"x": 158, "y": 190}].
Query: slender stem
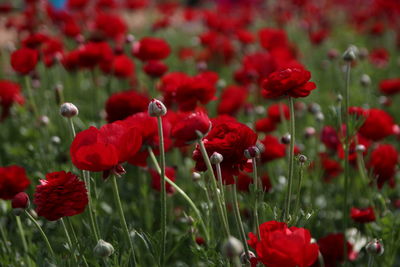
[
  {"x": 71, "y": 246},
  {"x": 23, "y": 239},
  {"x": 46, "y": 240},
  {"x": 163, "y": 192},
  {"x": 182, "y": 193},
  {"x": 239, "y": 222},
  {"x": 257, "y": 191},
  {"x": 4, "y": 237},
  {"x": 297, "y": 205},
  {"x": 86, "y": 177},
  {"x": 71, "y": 123},
  {"x": 221, "y": 189},
  {"x": 31, "y": 98},
  {"x": 291, "y": 161},
  {"x": 370, "y": 260},
  {"x": 214, "y": 188},
  {"x": 122, "y": 216}
]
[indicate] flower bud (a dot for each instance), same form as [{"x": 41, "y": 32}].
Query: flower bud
[
  {"x": 245, "y": 260},
  {"x": 339, "y": 98},
  {"x": 260, "y": 146},
  {"x": 129, "y": 38},
  {"x": 196, "y": 176},
  {"x": 19, "y": 203},
  {"x": 375, "y": 247},
  {"x": 285, "y": 139},
  {"x": 363, "y": 53},
  {"x": 365, "y": 80},
  {"x": 302, "y": 159},
  {"x": 232, "y": 247},
  {"x": 333, "y": 54},
  {"x": 252, "y": 152},
  {"x": 44, "y": 120},
  {"x": 216, "y": 158},
  {"x": 156, "y": 108},
  {"x": 103, "y": 249},
  {"x": 309, "y": 132},
  {"x": 68, "y": 110},
  {"x": 350, "y": 54},
  {"x": 319, "y": 117},
  {"x": 360, "y": 148},
  {"x": 314, "y": 108}
]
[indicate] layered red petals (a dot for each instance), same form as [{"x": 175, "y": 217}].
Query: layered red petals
[
  {"x": 186, "y": 129},
  {"x": 13, "y": 180}
]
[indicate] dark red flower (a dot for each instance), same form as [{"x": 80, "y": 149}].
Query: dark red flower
[
  {"x": 383, "y": 163},
  {"x": 156, "y": 180},
  {"x": 61, "y": 194},
  {"x": 330, "y": 137},
  {"x": 121, "y": 105},
  {"x": 111, "y": 26},
  {"x": 390, "y": 86},
  {"x": 184, "y": 131},
  {"x": 155, "y": 68},
  {"x": 272, "y": 149},
  {"x": 331, "y": 167},
  {"x": 265, "y": 125},
  {"x": 293, "y": 82},
  {"x": 20, "y": 201},
  {"x": 379, "y": 57},
  {"x": 151, "y": 48},
  {"x": 331, "y": 248},
  {"x": 121, "y": 66},
  {"x": 283, "y": 246},
  {"x": 230, "y": 139},
  {"x": 377, "y": 125},
  {"x": 273, "y": 38},
  {"x": 232, "y": 99},
  {"x": 278, "y": 111},
  {"x": 24, "y": 60},
  {"x": 169, "y": 84},
  {"x": 10, "y": 93},
  {"x": 103, "y": 149},
  {"x": 244, "y": 180},
  {"x": 35, "y": 40},
  {"x": 77, "y": 4},
  {"x": 362, "y": 215},
  {"x": 13, "y": 180}
]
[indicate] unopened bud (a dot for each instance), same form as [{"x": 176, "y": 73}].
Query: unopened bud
[
  {"x": 285, "y": 139},
  {"x": 216, "y": 158},
  {"x": 252, "y": 152},
  {"x": 232, "y": 247},
  {"x": 302, "y": 159},
  {"x": 333, "y": 54},
  {"x": 196, "y": 176},
  {"x": 365, "y": 80},
  {"x": 55, "y": 140},
  {"x": 68, "y": 110},
  {"x": 375, "y": 247},
  {"x": 156, "y": 108},
  {"x": 309, "y": 132},
  {"x": 19, "y": 203},
  {"x": 129, "y": 38},
  {"x": 314, "y": 108},
  {"x": 319, "y": 117},
  {"x": 44, "y": 120},
  {"x": 363, "y": 53},
  {"x": 339, "y": 98},
  {"x": 103, "y": 249},
  {"x": 360, "y": 148},
  {"x": 350, "y": 54},
  {"x": 245, "y": 260},
  {"x": 202, "y": 66}
]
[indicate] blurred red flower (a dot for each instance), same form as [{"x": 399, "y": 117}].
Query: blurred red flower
[
  {"x": 110, "y": 25},
  {"x": 272, "y": 149},
  {"x": 24, "y": 60},
  {"x": 362, "y": 215},
  {"x": 331, "y": 248},
  {"x": 278, "y": 111},
  {"x": 155, "y": 68},
  {"x": 273, "y": 38},
  {"x": 383, "y": 163},
  {"x": 232, "y": 99},
  {"x": 123, "y": 104},
  {"x": 331, "y": 167},
  {"x": 10, "y": 93},
  {"x": 390, "y": 86},
  {"x": 379, "y": 57},
  {"x": 61, "y": 194},
  {"x": 156, "y": 180},
  {"x": 120, "y": 65},
  {"x": 244, "y": 180},
  {"x": 151, "y": 48},
  {"x": 184, "y": 130},
  {"x": 265, "y": 125},
  {"x": 377, "y": 125},
  {"x": 13, "y": 180}
]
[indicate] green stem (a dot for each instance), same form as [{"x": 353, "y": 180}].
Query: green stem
[
  {"x": 71, "y": 246},
  {"x": 291, "y": 161},
  {"x": 257, "y": 190},
  {"x": 182, "y": 193},
  {"x": 86, "y": 177},
  {"x": 4, "y": 237},
  {"x": 76, "y": 241},
  {"x": 221, "y": 189},
  {"x": 23, "y": 239},
  {"x": 163, "y": 192},
  {"x": 31, "y": 97},
  {"x": 46, "y": 240},
  {"x": 122, "y": 216},
  {"x": 370, "y": 260},
  {"x": 71, "y": 123},
  {"x": 301, "y": 174}
]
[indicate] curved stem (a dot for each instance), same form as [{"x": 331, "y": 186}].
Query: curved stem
[
  {"x": 221, "y": 189},
  {"x": 46, "y": 240},
  {"x": 370, "y": 260},
  {"x": 257, "y": 190},
  {"x": 23, "y": 239},
  {"x": 71, "y": 246},
  {"x": 86, "y": 177}
]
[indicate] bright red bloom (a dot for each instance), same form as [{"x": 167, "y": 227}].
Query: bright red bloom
[
  {"x": 331, "y": 248},
  {"x": 156, "y": 180},
  {"x": 244, "y": 180},
  {"x": 121, "y": 105},
  {"x": 232, "y": 99},
  {"x": 274, "y": 112},
  {"x": 10, "y": 93},
  {"x": 155, "y": 68},
  {"x": 273, "y": 38},
  {"x": 390, "y": 86},
  {"x": 265, "y": 125},
  {"x": 24, "y": 60},
  {"x": 292, "y": 81},
  {"x": 93, "y": 53},
  {"x": 255, "y": 67},
  {"x": 111, "y": 26},
  {"x": 61, "y": 194},
  {"x": 230, "y": 139},
  {"x": 77, "y": 4},
  {"x": 377, "y": 125},
  {"x": 121, "y": 66},
  {"x": 362, "y": 215},
  {"x": 13, "y": 180},
  {"x": 151, "y": 48},
  {"x": 283, "y": 246},
  {"x": 169, "y": 84},
  {"x": 379, "y": 57},
  {"x": 102, "y": 149},
  {"x": 331, "y": 167},
  {"x": 184, "y": 130},
  {"x": 383, "y": 163},
  {"x": 273, "y": 149}
]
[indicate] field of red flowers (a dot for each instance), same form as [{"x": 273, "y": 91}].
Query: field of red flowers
[{"x": 199, "y": 133}]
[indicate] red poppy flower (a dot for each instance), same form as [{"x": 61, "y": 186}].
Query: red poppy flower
[
  {"x": 273, "y": 38},
  {"x": 265, "y": 125},
  {"x": 110, "y": 25},
  {"x": 151, "y": 48},
  {"x": 377, "y": 125},
  {"x": 24, "y": 60},
  {"x": 283, "y": 246},
  {"x": 362, "y": 215},
  {"x": 390, "y": 86},
  {"x": 274, "y": 112},
  {"x": 244, "y": 180},
  {"x": 273, "y": 149},
  {"x": 156, "y": 180},
  {"x": 155, "y": 68},
  {"x": 61, "y": 194},
  {"x": 184, "y": 131},
  {"x": 331, "y": 248},
  {"x": 232, "y": 99},
  {"x": 13, "y": 180},
  {"x": 230, "y": 139},
  {"x": 103, "y": 149},
  {"x": 383, "y": 163},
  {"x": 120, "y": 65},
  {"x": 10, "y": 93},
  {"x": 121, "y": 105},
  {"x": 292, "y": 81},
  {"x": 93, "y": 53}
]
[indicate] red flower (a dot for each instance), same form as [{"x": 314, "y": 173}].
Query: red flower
[
  {"x": 273, "y": 38},
  {"x": 121, "y": 66},
  {"x": 13, "y": 180},
  {"x": 230, "y": 139},
  {"x": 331, "y": 248},
  {"x": 184, "y": 130},
  {"x": 275, "y": 110},
  {"x": 10, "y": 93},
  {"x": 273, "y": 149},
  {"x": 169, "y": 84},
  {"x": 121, "y": 105},
  {"x": 292, "y": 81},
  {"x": 232, "y": 99},
  {"x": 20, "y": 201},
  {"x": 283, "y": 246},
  {"x": 379, "y": 57},
  {"x": 330, "y": 137},
  {"x": 362, "y": 215},
  {"x": 377, "y": 125},
  {"x": 390, "y": 86},
  {"x": 112, "y": 26},
  {"x": 156, "y": 180},
  {"x": 265, "y": 125},
  {"x": 331, "y": 167},
  {"x": 383, "y": 163},
  {"x": 244, "y": 180},
  {"x": 155, "y": 68},
  {"x": 151, "y": 48},
  {"x": 101, "y": 150},
  {"x": 61, "y": 194},
  {"x": 24, "y": 60},
  {"x": 93, "y": 53}
]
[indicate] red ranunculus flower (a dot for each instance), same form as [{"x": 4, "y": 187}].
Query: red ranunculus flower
[
  {"x": 169, "y": 83},
  {"x": 265, "y": 125},
  {"x": 13, "y": 180},
  {"x": 273, "y": 38},
  {"x": 93, "y": 53},
  {"x": 156, "y": 180},
  {"x": 232, "y": 99},
  {"x": 61, "y": 194},
  {"x": 230, "y": 139},
  {"x": 151, "y": 48},
  {"x": 120, "y": 65},
  {"x": 274, "y": 112},
  {"x": 112, "y": 26},
  {"x": 331, "y": 248},
  {"x": 10, "y": 93},
  {"x": 283, "y": 246},
  {"x": 155, "y": 68},
  {"x": 184, "y": 130},
  {"x": 362, "y": 215},
  {"x": 331, "y": 167},
  {"x": 383, "y": 163},
  {"x": 244, "y": 180},
  {"x": 390, "y": 86},
  {"x": 293, "y": 82},
  {"x": 273, "y": 149},
  {"x": 24, "y": 60},
  {"x": 330, "y": 137},
  {"x": 377, "y": 125},
  {"x": 379, "y": 57},
  {"x": 77, "y": 4},
  {"x": 103, "y": 149},
  {"x": 121, "y": 105}
]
